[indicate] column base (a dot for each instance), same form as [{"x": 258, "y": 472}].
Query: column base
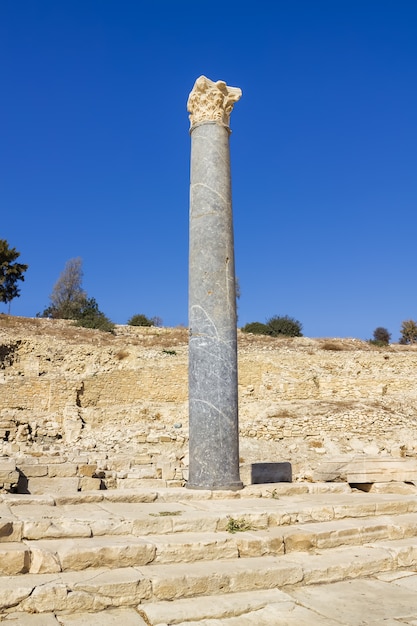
[{"x": 235, "y": 486}]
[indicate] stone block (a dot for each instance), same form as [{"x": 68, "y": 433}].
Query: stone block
[
  {"x": 14, "y": 558},
  {"x": 271, "y": 473},
  {"x": 7, "y": 464},
  {"x": 332, "y": 470},
  {"x": 87, "y": 470},
  {"x": 62, "y": 470},
  {"x": 381, "y": 470},
  {"x": 35, "y": 469},
  {"x": 53, "y": 485},
  {"x": 89, "y": 484}
]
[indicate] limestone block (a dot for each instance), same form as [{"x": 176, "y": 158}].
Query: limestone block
[
  {"x": 53, "y": 485},
  {"x": 332, "y": 470},
  {"x": 14, "y": 589},
  {"x": 89, "y": 484},
  {"x": 10, "y": 529},
  {"x": 98, "y": 552},
  {"x": 87, "y": 470},
  {"x": 381, "y": 470},
  {"x": 42, "y": 561},
  {"x": 62, "y": 470},
  {"x": 14, "y": 558},
  {"x": 55, "y": 596},
  {"x": 7, "y": 464},
  {"x": 391, "y": 487},
  {"x": 54, "y": 529},
  {"x": 122, "y": 583},
  {"x": 9, "y": 477},
  {"x": 182, "y": 549},
  {"x": 143, "y": 471},
  {"x": 32, "y": 470}
]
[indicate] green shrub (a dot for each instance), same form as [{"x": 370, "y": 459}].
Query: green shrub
[
  {"x": 284, "y": 325},
  {"x": 257, "y": 328},
  {"x": 89, "y": 316},
  {"x": 140, "y": 320},
  {"x": 381, "y": 336}
]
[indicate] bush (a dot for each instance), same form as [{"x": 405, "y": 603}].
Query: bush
[
  {"x": 285, "y": 325},
  {"x": 275, "y": 327},
  {"x": 140, "y": 320},
  {"x": 89, "y": 316},
  {"x": 381, "y": 336},
  {"x": 257, "y": 328}
]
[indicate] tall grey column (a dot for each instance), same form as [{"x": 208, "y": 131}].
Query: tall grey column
[{"x": 213, "y": 393}]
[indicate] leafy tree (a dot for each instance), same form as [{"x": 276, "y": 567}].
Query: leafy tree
[
  {"x": 68, "y": 296},
  {"x": 285, "y": 325},
  {"x": 257, "y": 328},
  {"x": 89, "y": 316},
  {"x": 382, "y": 336},
  {"x": 408, "y": 332},
  {"x": 10, "y": 272},
  {"x": 69, "y": 301},
  {"x": 141, "y": 320}
]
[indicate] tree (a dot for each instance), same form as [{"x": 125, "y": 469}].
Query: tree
[
  {"x": 68, "y": 296},
  {"x": 10, "y": 272},
  {"x": 408, "y": 332},
  {"x": 140, "y": 320},
  {"x": 69, "y": 301},
  {"x": 285, "y": 325},
  {"x": 382, "y": 336}
]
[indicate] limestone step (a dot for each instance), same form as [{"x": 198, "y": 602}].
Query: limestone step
[
  {"x": 144, "y": 513},
  {"x": 65, "y": 554},
  {"x": 101, "y": 588}
]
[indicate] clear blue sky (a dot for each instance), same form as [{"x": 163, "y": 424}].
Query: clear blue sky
[{"x": 94, "y": 153}]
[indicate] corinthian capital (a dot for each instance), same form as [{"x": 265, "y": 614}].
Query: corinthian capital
[{"x": 211, "y": 101}]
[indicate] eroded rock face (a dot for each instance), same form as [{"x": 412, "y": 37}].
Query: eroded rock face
[{"x": 300, "y": 400}]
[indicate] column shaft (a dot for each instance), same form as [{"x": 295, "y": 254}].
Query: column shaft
[{"x": 213, "y": 392}]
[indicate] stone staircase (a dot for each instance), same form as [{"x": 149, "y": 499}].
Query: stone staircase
[{"x": 165, "y": 556}]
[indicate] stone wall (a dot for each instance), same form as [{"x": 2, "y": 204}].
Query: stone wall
[{"x": 300, "y": 399}]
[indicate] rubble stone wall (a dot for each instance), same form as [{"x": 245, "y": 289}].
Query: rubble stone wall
[{"x": 298, "y": 397}]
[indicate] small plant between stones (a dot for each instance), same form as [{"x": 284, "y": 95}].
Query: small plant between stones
[
  {"x": 170, "y": 352},
  {"x": 165, "y": 513},
  {"x": 238, "y": 525}
]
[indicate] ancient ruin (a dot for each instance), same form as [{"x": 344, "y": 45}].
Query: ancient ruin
[{"x": 213, "y": 392}]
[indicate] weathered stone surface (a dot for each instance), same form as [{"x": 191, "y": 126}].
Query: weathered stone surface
[
  {"x": 354, "y": 603},
  {"x": 14, "y": 558},
  {"x": 112, "y": 617},
  {"x": 381, "y": 470},
  {"x": 23, "y": 619},
  {"x": 41, "y": 485},
  {"x": 210, "y": 607}
]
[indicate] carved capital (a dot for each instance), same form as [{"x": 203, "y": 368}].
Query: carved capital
[{"x": 212, "y": 101}]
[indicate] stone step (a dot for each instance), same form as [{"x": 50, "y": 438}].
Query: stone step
[
  {"x": 42, "y": 518},
  {"x": 73, "y": 554},
  {"x": 100, "y": 588}
]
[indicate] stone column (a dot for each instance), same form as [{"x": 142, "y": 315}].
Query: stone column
[{"x": 213, "y": 394}]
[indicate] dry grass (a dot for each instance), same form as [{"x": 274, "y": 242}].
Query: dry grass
[
  {"x": 336, "y": 346},
  {"x": 173, "y": 338}
]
